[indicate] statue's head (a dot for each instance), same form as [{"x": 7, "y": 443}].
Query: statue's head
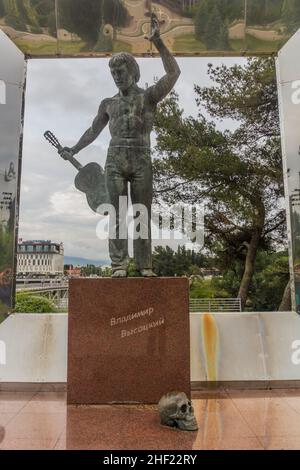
[{"x": 125, "y": 70}]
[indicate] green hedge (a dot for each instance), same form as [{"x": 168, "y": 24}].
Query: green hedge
[{"x": 28, "y": 303}]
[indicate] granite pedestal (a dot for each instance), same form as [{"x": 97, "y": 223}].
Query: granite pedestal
[{"x": 128, "y": 339}]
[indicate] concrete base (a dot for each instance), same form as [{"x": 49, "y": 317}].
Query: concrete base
[{"x": 128, "y": 340}]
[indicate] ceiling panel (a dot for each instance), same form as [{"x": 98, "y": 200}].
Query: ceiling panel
[{"x": 189, "y": 27}]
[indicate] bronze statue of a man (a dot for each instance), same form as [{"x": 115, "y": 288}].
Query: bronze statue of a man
[{"x": 130, "y": 114}]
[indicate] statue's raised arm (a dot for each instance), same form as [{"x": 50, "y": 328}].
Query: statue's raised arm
[{"x": 161, "y": 89}]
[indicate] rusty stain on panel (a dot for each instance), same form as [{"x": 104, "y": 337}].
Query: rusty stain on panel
[
  {"x": 210, "y": 340},
  {"x": 47, "y": 346}
]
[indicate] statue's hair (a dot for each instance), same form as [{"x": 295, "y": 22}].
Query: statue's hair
[{"x": 129, "y": 60}]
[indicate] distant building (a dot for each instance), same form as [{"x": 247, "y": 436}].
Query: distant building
[
  {"x": 106, "y": 266},
  {"x": 40, "y": 257},
  {"x": 209, "y": 273},
  {"x": 70, "y": 271}
]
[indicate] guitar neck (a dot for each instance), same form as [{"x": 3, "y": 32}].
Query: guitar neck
[{"x": 75, "y": 163}]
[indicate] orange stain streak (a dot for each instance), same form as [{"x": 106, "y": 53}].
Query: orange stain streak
[{"x": 210, "y": 343}]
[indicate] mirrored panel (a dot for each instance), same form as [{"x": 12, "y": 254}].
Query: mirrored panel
[
  {"x": 80, "y": 28},
  {"x": 189, "y": 27},
  {"x": 289, "y": 99},
  {"x": 132, "y": 27},
  {"x": 100, "y": 27},
  {"x": 202, "y": 26},
  {"x": 270, "y": 24},
  {"x": 30, "y": 24},
  {"x": 11, "y": 91}
]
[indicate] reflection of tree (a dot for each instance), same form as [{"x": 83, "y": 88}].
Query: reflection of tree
[
  {"x": 86, "y": 18},
  {"x": 115, "y": 13},
  {"x": 6, "y": 246},
  {"x": 30, "y": 15},
  {"x": 2, "y": 9},
  {"x": 291, "y": 14},
  {"x": 216, "y": 32},
  {"x": 296, "y": 232},
  {"x": 265, "y": 12},
  {"x": 212, "y": 18},
  {"x": 6, "y": 260}
]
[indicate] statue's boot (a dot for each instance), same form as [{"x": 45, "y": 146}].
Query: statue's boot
[
  {"x": 147, "y": 273},
  {"x": 120, "y": 273}
]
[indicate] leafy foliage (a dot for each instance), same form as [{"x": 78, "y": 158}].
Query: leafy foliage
[
  {"x": 213, "y": 18},
  {"x": 238, "y": 173},
  {"x": 27, "y": 303},
  {"x": 268, "y": 283},
  {"x": 183, "y": 262},
  {"x": 86, "y": 18},
  {"x": 211, "y": 21}
]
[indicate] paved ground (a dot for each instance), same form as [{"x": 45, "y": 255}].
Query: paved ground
[{"x": 227, "y": 420}]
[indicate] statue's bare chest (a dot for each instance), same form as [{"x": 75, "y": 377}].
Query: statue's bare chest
[
  {"x": 130, "y": 115},
  {"x": 132, "y": 106}
]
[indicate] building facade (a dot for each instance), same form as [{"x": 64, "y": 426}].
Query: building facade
[
  {"x": 72, "y": 271},
  {"x": 40, "y": 257}
]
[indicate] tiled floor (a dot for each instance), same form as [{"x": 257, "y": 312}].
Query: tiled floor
[{"x": 251, "y": 419}]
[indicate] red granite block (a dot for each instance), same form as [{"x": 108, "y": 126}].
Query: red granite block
[{"x": 128, "y": 339}]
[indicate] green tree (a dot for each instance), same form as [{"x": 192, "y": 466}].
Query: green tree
[
  {"x": 211, "y": 24},
  {"x": 11, "y": 7},
  {"x": 2, "y": 8},
  {"x": 201, "y": 18},
  {"x": 232, "y": 9},
  {"x": 268, "y": 283},
  {"x": 85, "y": 18},
  {"x": 213, "y": 29},
  {"x": 291, "y": 14},
  {"x": 223, "y": 39},
  {"x": 106, "y": 272},
  {"x": 115, "y": 13},
  {"x": 132, "y": 270},
  {"x": 208, "y": 289},
  {"x": 27, "y": 303},
  {"x": 238, "y": 173},
  {"x": 81, "y": 18},
  {"x": 51, "y": 24},
  {"x": 91, "y": 269},
  {"x": 182, "y": 262},
  {"x": 45, "y": 7},
  {"x": 164, "y": 261}
]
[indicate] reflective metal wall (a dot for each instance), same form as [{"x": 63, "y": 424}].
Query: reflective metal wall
[
  {"x": 99, "y": 27},
  {"x": 288, "y": 75},
  {"x": 11, "y": 92}
]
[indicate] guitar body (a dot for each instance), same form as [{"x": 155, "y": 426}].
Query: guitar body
[{"x": 90, "y": 180}]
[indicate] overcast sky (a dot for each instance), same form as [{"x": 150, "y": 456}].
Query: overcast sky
[{"x": 63, "y": 96}]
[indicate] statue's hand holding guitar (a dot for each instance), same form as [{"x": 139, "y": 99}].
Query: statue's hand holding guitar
[
  {"x": 89, "y": 179},
  {"x": 66, "y": 153}
]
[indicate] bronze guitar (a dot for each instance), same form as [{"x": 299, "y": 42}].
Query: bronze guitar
[{"x": 89, "y": 179}]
